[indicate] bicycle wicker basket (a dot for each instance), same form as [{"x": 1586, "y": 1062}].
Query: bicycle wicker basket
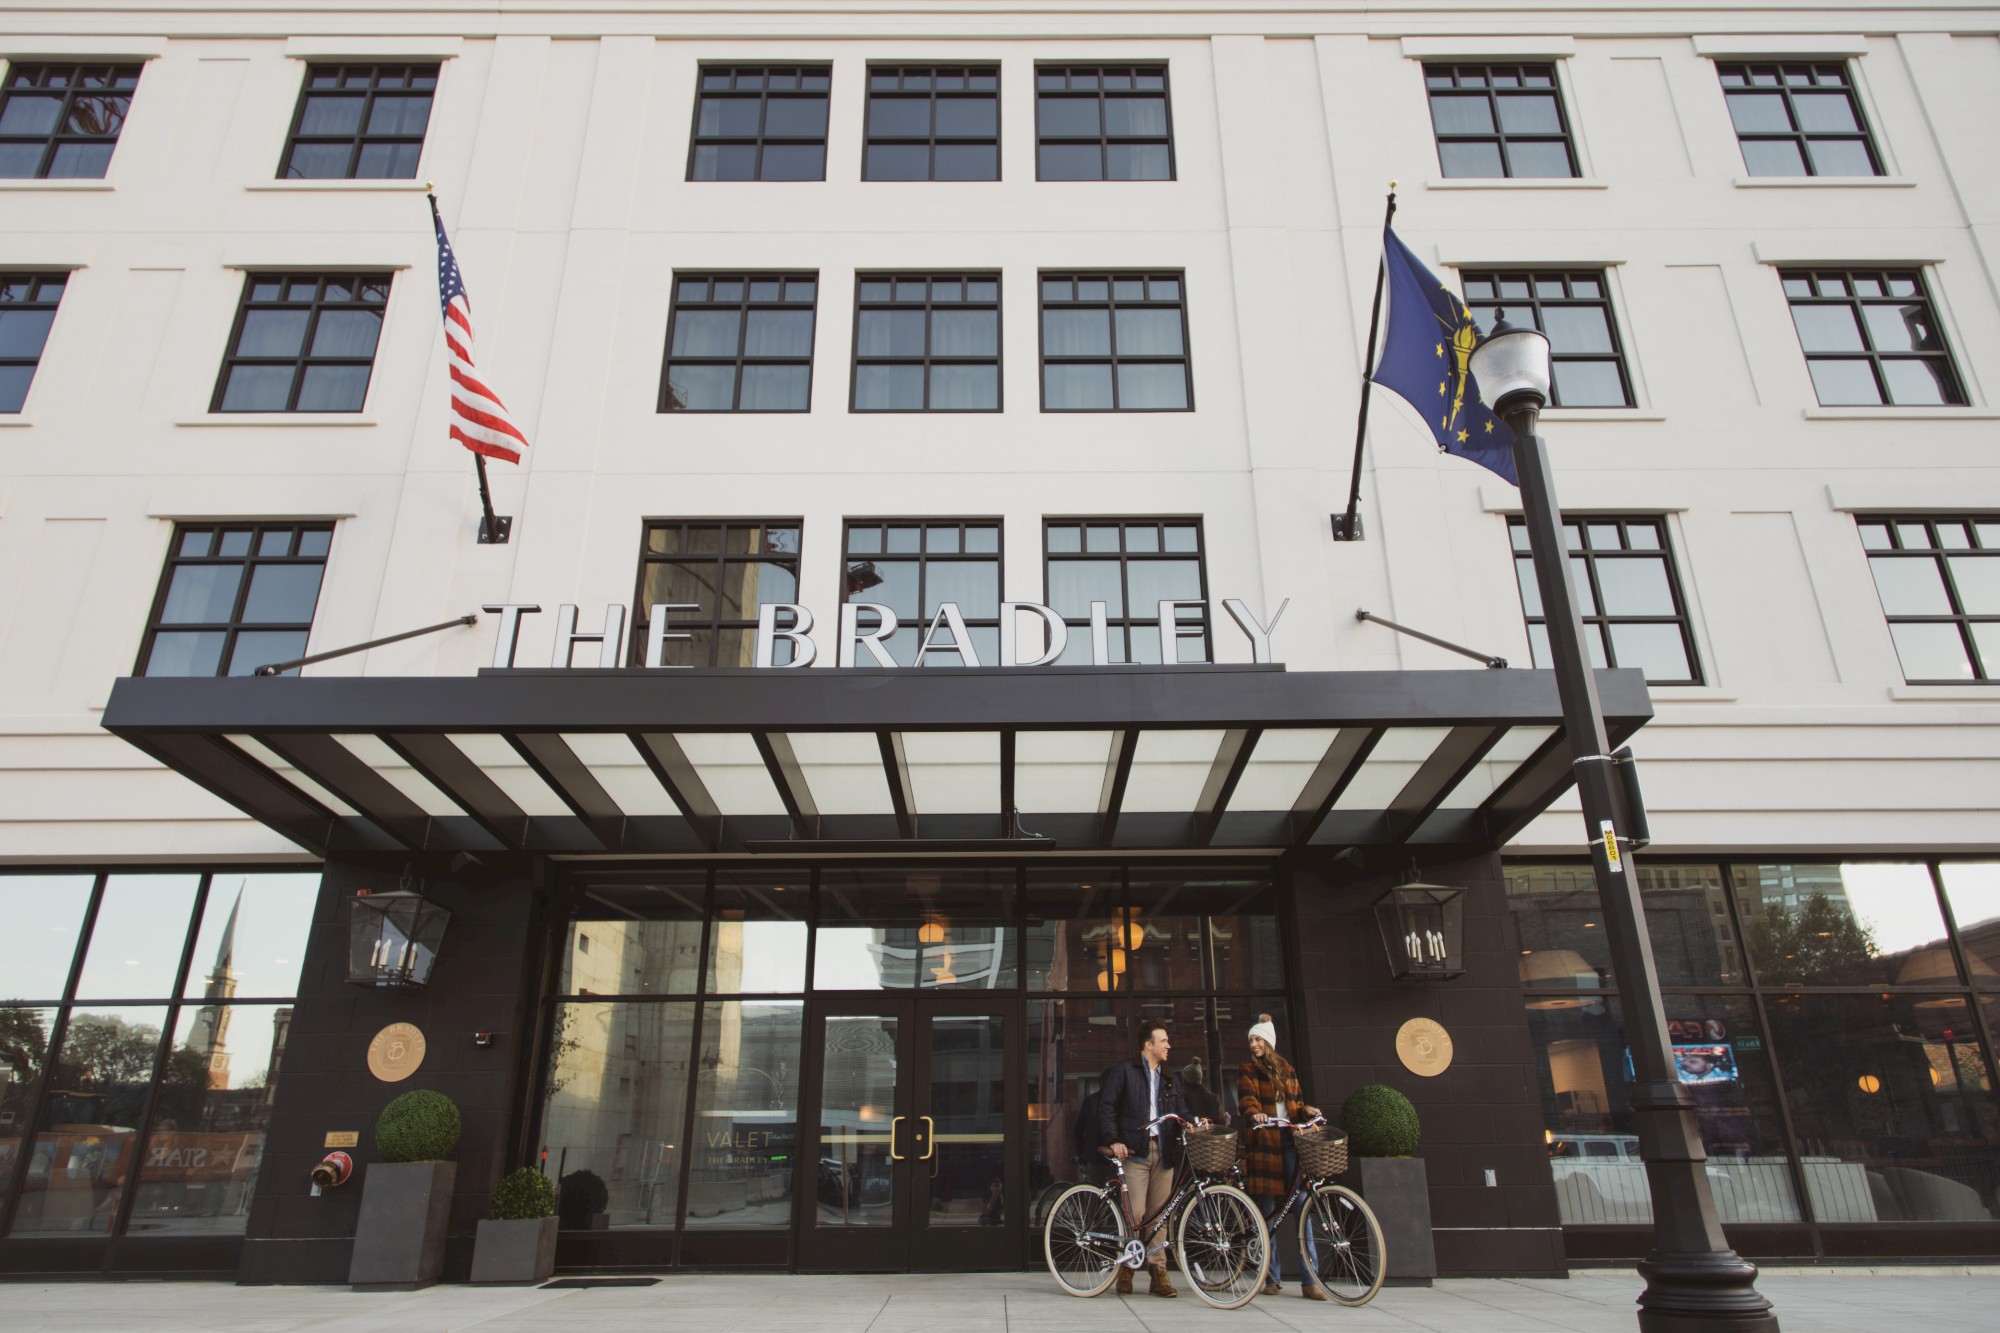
[
  {"x": 1211, "y": 1151},
  {"x": 1322, "y": 1152}
]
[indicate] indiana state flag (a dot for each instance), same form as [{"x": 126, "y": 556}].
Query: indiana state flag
[{"x": 1425, "y": 358}]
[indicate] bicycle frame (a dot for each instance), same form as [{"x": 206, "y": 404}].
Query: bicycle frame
[
  {"x": 1187, "y": 1185},
  {"x": 1302, "y": 1187}
]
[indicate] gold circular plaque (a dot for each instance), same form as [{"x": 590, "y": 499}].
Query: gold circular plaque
[
  {"x": 1424, "y": 1047},
  {"x": 396, "y": 1052}
]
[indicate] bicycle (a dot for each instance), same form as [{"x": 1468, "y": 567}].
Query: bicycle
[
  {"x": 1339, "y": 1237},
  {"x": 1219, "y": 1239}
]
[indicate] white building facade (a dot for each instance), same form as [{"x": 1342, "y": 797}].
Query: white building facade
[{"x": 904, "y": 304}]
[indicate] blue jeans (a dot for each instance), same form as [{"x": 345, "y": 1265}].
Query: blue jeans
[{"x": 1270, "y": 1205}]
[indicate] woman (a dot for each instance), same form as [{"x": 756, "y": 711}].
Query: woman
[{"x": 1269, "y": 1089}]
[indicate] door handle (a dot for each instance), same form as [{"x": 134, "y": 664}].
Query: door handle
[
  {"x": 930, "y": 1138},
  {"x": 894, "y": 1156}
]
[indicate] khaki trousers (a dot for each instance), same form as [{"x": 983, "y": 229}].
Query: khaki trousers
[{"x": 1148, "y": 1185}]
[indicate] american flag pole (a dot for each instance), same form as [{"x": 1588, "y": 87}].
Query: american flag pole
[{"x": 480, "y": 421}]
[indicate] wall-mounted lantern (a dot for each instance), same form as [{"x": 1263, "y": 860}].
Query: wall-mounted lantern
[
  {"x": 1423, "y": 930},
  {"x": 393, "y": 938}
]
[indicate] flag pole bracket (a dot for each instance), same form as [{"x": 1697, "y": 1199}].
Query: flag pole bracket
[
  {"x": 1347, "y": 527},
  {"x": 495, "y": 529}
]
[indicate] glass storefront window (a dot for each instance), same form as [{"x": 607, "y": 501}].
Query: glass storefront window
[
  {"x": 1563, "y": 943},
  {"x": 1893, "y": 1106},
  {"x": 1843, "y": 924},
  {"x": 43, "y": 915},
  {"x": 24, "y": 1054},
  {"x": 1071, "y": 928},
  {"x": 758, "y": 944},
  {"x": 83, "y": 1147},
  {"x": 136, "y": 943},
  {"x": 210, "y": 1115},
  {"x": 1070, "y": 1045},
  {"x": 617, "y": 1107},
  {"x": 1234, "y": 918},
  {"x": 253, "y": 935},
  {"x": 746, "y": 1112},
  {"x": 893, "y": 929},
  {"x": 636, "y": 938},
  {"x": 1973, "y": 890},
  {"x": 1585, "y": 1074}
]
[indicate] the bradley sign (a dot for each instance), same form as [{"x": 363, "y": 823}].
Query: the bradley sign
[{"x": 864, "y": 630}]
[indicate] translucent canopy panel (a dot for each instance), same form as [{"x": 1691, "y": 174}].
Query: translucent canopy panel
[
  {"x": 1279, "y": 767},
  {"x": 1060, "y": 772},
  {"x": 844, "y": 771},
  {"x": 1169, "y": 768},
  {"x": 1391, "y": 764},
  {"x": 282, "y": 766},
  {"x": 1507, "y": 754},
  {"x": 615, "y": 763},
  {"x": 508, "y": 771},
  {"x": 393, "y": 769},
  {"x": 730, "y": 766},
  {"x": 954, "y": 772}
]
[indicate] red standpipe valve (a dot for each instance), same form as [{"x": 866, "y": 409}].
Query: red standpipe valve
[{"x": 333, "y": 1169}]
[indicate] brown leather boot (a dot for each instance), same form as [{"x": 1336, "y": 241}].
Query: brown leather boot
[
  {"x": 1124, "y": 1280},
  {"x": 1159, "y": 1286}
]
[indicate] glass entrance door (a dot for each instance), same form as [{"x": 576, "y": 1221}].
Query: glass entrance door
[{"x": 908, "y": 1104}]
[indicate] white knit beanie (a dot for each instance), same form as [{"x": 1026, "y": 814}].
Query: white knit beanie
[{"x": 1264, "y": 1028}]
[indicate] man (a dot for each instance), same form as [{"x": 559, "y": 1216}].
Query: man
[{"x": 1137, "y": 1092}]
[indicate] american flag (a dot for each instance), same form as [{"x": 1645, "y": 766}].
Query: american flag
[{"x": 479, "y": 420}]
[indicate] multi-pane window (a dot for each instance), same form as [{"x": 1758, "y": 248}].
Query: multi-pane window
[
  {"x": 360, "y": 122},
  {"x": 758, "y": 123},
  {"x": 1114, "y": 342},
  {"x": 143, "y": 1027},
  {"x": 913, "y": 568},
  {"x": 740, "y": 342},
  {"x": 1574, "y": 310},
  {"x": 1499, "y": 120},
  {"x": 27, "y": 308},
  {"x": 1798, "y": 120},
  {"x": 1131, "y": 565},
  {"x": 1870, "y": 338},
  {"x": 303, "y": 342},
  {"x": 927, "y": 343},
  {"x": 718, "y": 574},
  {"x": 930, "y": 124},
  {"x": 1939, "y": 580},
  {"x": 1103, "y": 123},
  {"x": 235, "y": 597},
  {"x": 60, "y": 122},
  {"x": 1627, "y": 594}
]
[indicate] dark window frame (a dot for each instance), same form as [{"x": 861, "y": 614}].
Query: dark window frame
[
  {"x": 232, "y": 628},
  {"x": 32, "y": 78},
  {"x": 1804, "y": 288},
  {"x": 931, "y": 96},
  {"x": 1821, "y": 77},
  {"x": 1110, "y": 303},
  {"x": 1069, "y": 72},
  {"x": 36, "y": 300},
  {"x": 1535, "y": 301},
  {"x": 1894, "y": 527},
  {"x": 315, "y": 305},
  {"x": 922, "y": 558},
  {"x": 744, "y": 306},
  {"x": 804, "y": 73},
  {"x": 1131, "y": 621},
  {"x": 930, "y": 305},
  {"x": 360, "y": 139},
  {"x": 1597, "y": 620},
  {"x": 718, "y": 562},
  {"x": 1485, "y": 73}
]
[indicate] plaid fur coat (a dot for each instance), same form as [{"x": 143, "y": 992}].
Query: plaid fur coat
[{"x": 1264, "y": 1149}]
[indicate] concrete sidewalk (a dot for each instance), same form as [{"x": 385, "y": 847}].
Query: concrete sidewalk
[{"x": 1937, "y": 1300}]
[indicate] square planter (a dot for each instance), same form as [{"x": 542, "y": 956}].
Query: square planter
[
  {"x": 515, "y": 1251},
  {"x": 399, "y": 1239},
  {"x": 1399, "y": 1193}
]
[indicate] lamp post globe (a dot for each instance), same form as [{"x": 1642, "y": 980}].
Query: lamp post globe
[{"x": 1512, "y": 367}]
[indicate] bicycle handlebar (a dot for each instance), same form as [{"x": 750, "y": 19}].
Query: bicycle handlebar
[{"x": 1277, "y": 1122}]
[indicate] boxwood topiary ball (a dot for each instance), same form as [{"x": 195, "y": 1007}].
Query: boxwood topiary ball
[
  {"x": 1380, "y": 1122},
  {"x": 523, "y": 1195},
  {"x": 419, "y": 1126}
]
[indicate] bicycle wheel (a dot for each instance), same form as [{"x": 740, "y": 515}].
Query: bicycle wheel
[
  {"x": 1223, "y": 1246},
  {"x": 1338, "y": 1229},
  {"x": 1083, "y": 1240}
]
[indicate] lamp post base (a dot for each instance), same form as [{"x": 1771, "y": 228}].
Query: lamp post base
[{"x": 1713, "y": 1291}]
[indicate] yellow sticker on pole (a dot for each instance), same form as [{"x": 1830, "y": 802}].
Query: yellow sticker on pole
[{"x": 1611, "y": 860}]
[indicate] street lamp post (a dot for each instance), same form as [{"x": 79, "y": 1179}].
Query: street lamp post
[{"x": 1694, "y": 1281}]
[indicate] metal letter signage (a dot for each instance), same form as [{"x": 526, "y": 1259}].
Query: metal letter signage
[{"x": 866, "y": 642}]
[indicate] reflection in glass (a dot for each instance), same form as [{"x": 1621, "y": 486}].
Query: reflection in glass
[
  {"x": 1973, "y": 890},
  {"x": 928, "y": 929},
  {"x": 968, "y": 1101},
  {"x": 636, "y": 938},
  {"x": 84, "y": 1144},
  {"x": 617, "y": 1107},
  {"x": 253, "y": 936},
  {"x": 136, "y": 943},
  {"x": 24, "y": 1051},
  {"x": 1070, "y": 1045},
  {"x": 854, "y": 1184},
  {"x": 43, "y": 914},
  {"x": 1859, "y": 924},
  {"x": 758, "y": 944},
  {"x": 745, "y": 1133}
]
